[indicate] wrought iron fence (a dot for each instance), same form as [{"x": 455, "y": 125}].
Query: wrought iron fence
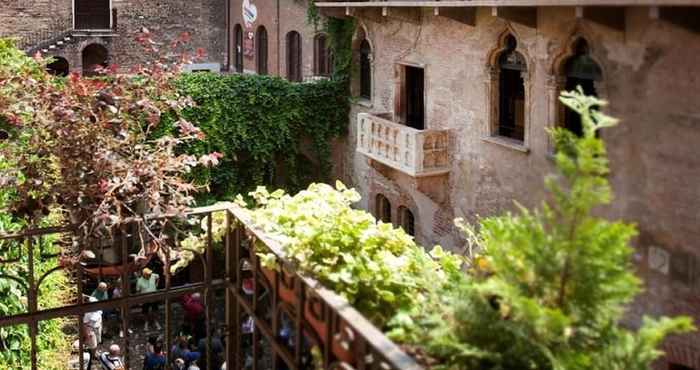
[
  {"x": 56, "y": 30},
  {"x": 255, "y": 318}
]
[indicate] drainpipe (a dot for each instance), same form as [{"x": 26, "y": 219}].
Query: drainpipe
[
  {"x": 227, "y": 58},
  {"x": 279, "y": 48}
]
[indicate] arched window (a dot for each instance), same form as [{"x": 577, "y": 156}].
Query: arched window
[
  {"x": 382, "y": 209},
  {"x": 365, "y": 70},
  {"x": 322, "y": 56},
  {"x": 511, "y": 91},
  {"x": 59, "y": 67},
  {"x": 94, "y": 56},
  {"x": 407, "y": 221},
  {"x": 238, "y": 48},
  {"x": 294, "y": 56},
  {"x": 580, "y": 70},
  {"x": 261, "y": 52}
]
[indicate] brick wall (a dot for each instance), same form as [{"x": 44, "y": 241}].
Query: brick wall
[
  {"x": 278, "y": 17},
  {"x": 205, "y": 20},
  {"x": 654, "y": 164}
]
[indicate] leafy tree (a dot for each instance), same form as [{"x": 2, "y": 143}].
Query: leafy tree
[
  {"x": 549, "y": 288},
  {"x": 83, "y": 145}
]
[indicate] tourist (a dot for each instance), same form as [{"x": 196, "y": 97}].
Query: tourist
[
  {"x": 93, "y": 322},
  {"x": 148, "y": 283},
  {"x": 217, "y": 348},
  {"x": 156, "y": 359},
  {"x": 101, "y": 293},
  {"x": 179, "y": 349},
  {"x": 111, "y": 360},
  {"x": 179, "y": 364},
  {"x": 194, "y": 314},
  {"x": 117, "y": 293},
  {"x": 87, "y": 355},
  {"x": 193, "y": 366},
  {"x": 153, "y": 257}
]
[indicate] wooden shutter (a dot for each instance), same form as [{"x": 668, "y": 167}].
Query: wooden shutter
[
  {"x": 92, "y": 14},
  {"x": 294, "y": 56},
  {"x": 262, "y": 50}
]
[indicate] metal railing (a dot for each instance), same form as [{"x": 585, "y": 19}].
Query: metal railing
[
  {"x": 265, "y": 319},
  {"x": 415, "y": 152},
  {"x": 55, "y": 31}
]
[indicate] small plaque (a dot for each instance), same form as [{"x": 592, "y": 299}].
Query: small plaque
[{"x": 659, "y": 260}]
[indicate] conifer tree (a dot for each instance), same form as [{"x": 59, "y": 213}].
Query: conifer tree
[{"x": 550, "y": 286}]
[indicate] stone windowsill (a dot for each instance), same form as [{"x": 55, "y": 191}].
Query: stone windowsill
[
  {"x": 364, "y": 102},
  {"x": 507, "y": 143}
]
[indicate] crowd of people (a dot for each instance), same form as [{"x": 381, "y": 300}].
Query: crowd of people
[{"x": 189, "y": 348}]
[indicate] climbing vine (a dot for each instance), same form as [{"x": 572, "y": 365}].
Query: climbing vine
[
  {"x": 268, "y": 130},
  {"x": 340, "y": 33}
]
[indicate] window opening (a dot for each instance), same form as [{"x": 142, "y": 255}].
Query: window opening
[
  {"x": 414, "y": 97},
  {"x": 322, "y": 57},
  {"x": 407, "y": 221},
  {"x": 511, "y": 117},
  {"x": 238, "y": 48},
  {"x": 383, "y": 209},
  {"x": 92, "y": 14},
  {"x": 262, "y": 51},
  {"x": 365, "y": 70},
  {"x": 294, "y": 56},
  {"x": 580, "y": 70}
]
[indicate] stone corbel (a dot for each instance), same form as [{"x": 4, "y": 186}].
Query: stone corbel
[
  {"x": 609, "y": 16},
  {"x": 524, "y": 15},
  {"x": 462, "y": 15}
]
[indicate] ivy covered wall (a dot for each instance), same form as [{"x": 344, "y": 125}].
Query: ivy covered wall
[{"x": 260, "y": 125}]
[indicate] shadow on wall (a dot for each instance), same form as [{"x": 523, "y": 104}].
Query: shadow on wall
[
  {"x": 94, "y": 56},
  {"x": 59, "y": 67}
]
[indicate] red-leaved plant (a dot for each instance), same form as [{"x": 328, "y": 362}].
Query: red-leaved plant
[{"x": 87, "y": 147}]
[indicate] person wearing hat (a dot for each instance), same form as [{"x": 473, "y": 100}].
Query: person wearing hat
[
  {"x": 101, "y": 292},
  {"x": 148, "y": 283}
]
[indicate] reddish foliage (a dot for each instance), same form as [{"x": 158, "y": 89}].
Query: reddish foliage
[{"x": 87, "y": 145}]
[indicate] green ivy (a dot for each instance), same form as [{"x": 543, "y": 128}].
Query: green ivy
[
  {"x": 261, "y": 124},
  {"x": 340, "y": 33}
]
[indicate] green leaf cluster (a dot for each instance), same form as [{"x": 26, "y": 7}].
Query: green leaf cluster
[
  {"x": 379, "y": 269},
  {"x": 53, "y": 343},
  {"x": 262, "y": 126},
  {"x": 549, "y": 287}
]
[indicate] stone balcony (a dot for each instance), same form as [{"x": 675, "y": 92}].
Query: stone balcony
[{"x": 417, "y": 153}]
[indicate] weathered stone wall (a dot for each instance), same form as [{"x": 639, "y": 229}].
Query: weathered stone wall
[
  {"x": 279, "y": 17},
  {"x": 648, "y": 79},
  {"x": 20, "y": 17},
  {"x": 204, "y": 20}
]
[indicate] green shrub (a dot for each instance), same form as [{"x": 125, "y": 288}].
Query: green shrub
[
  {"x": 259, "y": 124},
  {"x": 379, "y": 269},
  {"x": 551, "y": 285}
]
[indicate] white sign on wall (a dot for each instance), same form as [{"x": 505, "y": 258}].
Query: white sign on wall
[{"x": 250, "y": 13}]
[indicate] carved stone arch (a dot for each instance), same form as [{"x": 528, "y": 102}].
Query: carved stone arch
[
  {"x": 500, "y": 47},
  {"x": 492, "y": 87},
  {"x": 361, "y": 33},
  {"x": 360, "y": 37},
  {"x": 93, "y": 54},
  {"x": 556, "y": 81},
  {"x": 568, "y": 50}
]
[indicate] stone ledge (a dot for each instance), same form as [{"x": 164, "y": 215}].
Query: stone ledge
[{"x": 507, "y": 143}]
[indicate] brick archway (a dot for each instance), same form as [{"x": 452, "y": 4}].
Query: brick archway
[
  {"x": 94, "y": 56},
  {"x": 59, "y": 67}
]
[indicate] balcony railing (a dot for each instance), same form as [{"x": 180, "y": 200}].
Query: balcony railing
[
  {"x": 415, "y": 152},
  {"x": 263, "y": 319}
]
